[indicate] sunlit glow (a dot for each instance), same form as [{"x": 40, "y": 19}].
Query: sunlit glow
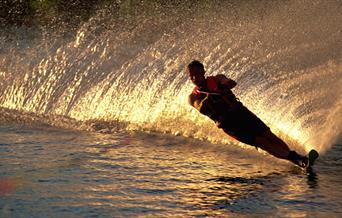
[{"x": 8, "y": 185}]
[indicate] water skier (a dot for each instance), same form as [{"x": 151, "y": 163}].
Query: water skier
[{"x": 212, "y": 96}]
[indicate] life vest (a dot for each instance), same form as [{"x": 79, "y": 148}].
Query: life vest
[
  {"x": 212, "y": 84},
  {"x": 214, "y": 103}
]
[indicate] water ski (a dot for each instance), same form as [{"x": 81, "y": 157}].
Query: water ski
[{"x": 312, "y": 156}]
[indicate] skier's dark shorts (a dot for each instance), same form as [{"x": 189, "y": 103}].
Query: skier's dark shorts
[{"x": 243, "y": 125}]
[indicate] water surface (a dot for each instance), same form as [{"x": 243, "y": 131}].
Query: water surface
[{"x": 57, "y": 172}]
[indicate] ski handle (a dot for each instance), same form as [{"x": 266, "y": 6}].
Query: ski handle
[{"x": 209, "y": 93}]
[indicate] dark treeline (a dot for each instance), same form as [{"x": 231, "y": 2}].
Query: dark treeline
[
  {"x": 62, "y": 18},
  {"x": 45, "y": 12},
  {"x": 73, "y": 12},
  {"x": 49, "y": 12}
]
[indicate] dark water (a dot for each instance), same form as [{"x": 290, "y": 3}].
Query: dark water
[
  {"x": 94, "y": 119},
  {"x": 49, "y": 172}
]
